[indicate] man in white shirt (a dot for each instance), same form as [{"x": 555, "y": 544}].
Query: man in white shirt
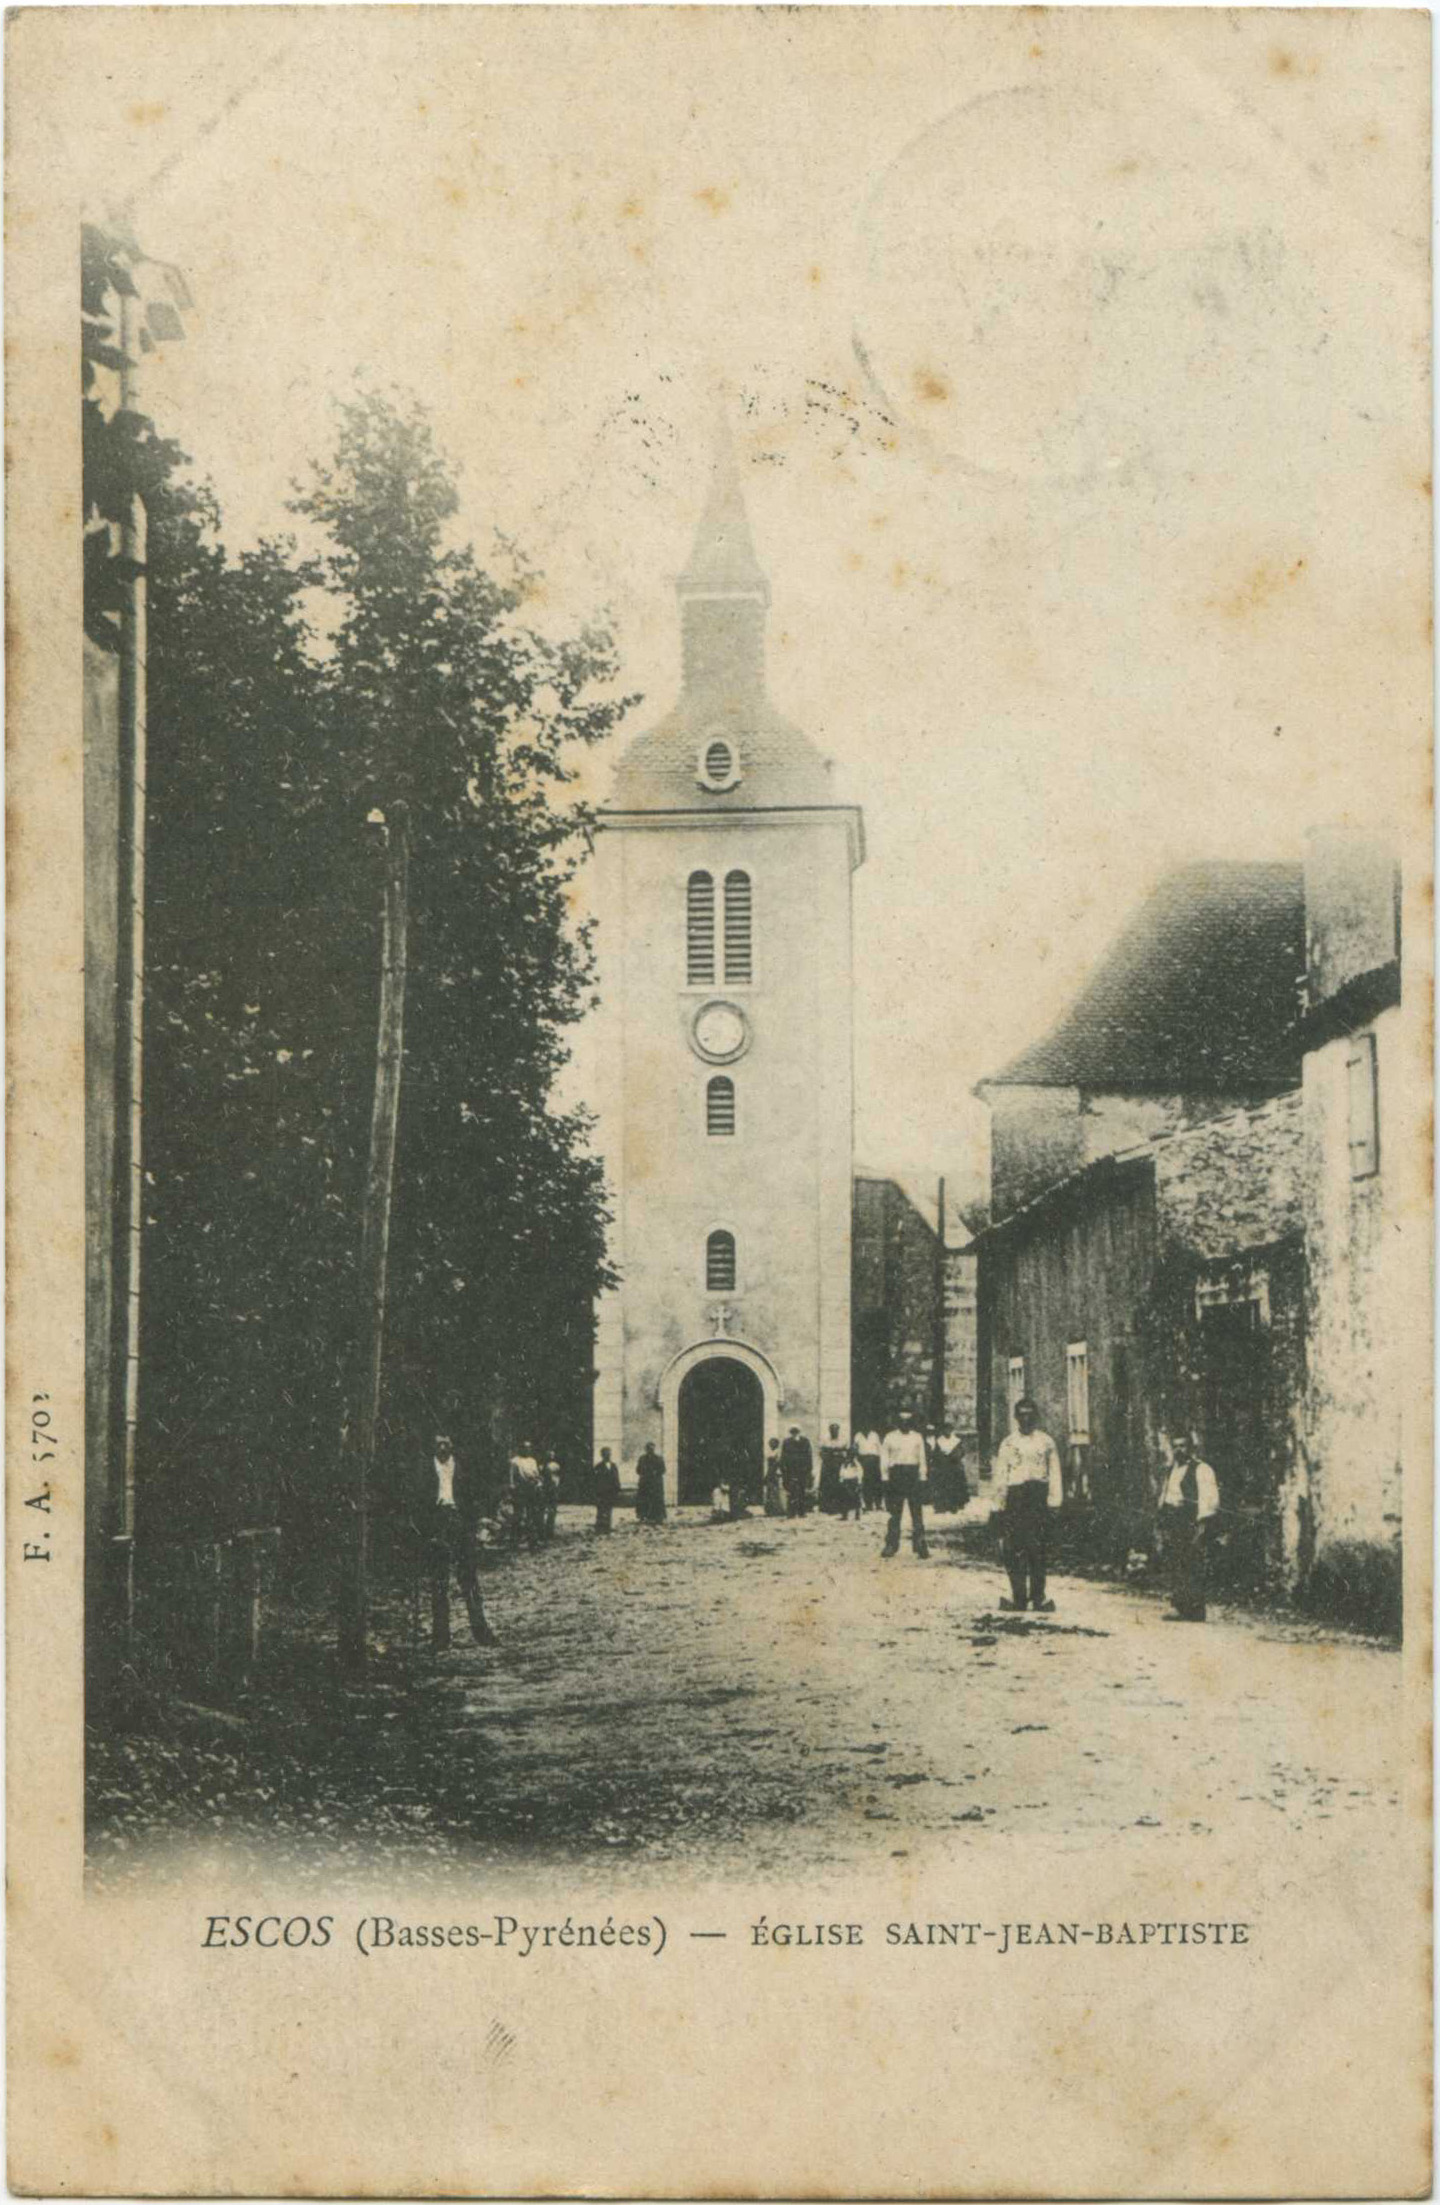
[
  {"x": 867, "y": 1454},
  {"x": 1028, "y": 1473},
  {"x": 445, "y": 1515},
  {"x": 1190, "y": 1500},
  {"x": 902, "y": 1458}
]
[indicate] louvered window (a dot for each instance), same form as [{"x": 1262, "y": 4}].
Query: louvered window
[
  {"x": 700, "y": 931},
  {"x": 737, "y": 927},
  {"x": 720, "y": 1264},
  {"x": 718, "y": 762},
  {"x": 720, "y": 1106}
]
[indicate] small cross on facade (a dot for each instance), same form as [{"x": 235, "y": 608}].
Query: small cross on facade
[{"x": 720, "y": 1315}]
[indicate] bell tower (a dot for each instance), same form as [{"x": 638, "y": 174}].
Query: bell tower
[{"x": 724, "y": 870}]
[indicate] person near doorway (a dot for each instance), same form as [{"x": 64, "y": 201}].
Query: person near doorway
[
  {"x": 872, "y": 1480},
  {"x": 446, "y": 1506},
  {"x": 834, "y": 1453},
  {"x": 797, "y": 1465},
  {"x": 850, "y": 1485},
  {"x": 902, "y": 1458},
  {"x": 948, "y": 1488},
  {"x": 1028, "y": 1473},
  {"x": 650, "y": 1486},
  {"x": 1188, "y": 1505},
  {"x": 549, "y": 1498},
  {"x": 738, "y": 1489},
  {"x": 605, "y": 1485},
  {"x": 774, "y": 1495},
  {"x": 525, "y": 1487}
]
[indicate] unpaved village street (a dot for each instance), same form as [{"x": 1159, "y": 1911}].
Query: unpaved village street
[{"x": 742, "y": 1698}]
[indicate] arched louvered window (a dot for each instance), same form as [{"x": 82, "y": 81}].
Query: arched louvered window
[
  {"x": 720, "y": 1263},
  {"x": 737, "y": 927},
  {"x": 719, "y": 762},
  {"x": 720, "y": 1105},
  {"x": 700, "y": 931}
]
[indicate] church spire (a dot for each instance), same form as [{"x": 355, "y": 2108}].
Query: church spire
[{"x": 722, "y": 588}]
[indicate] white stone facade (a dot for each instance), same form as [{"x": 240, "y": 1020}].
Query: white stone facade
[{"x": 780, "y": 1182}]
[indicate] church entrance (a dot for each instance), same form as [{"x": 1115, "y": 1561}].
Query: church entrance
[{"x": 722, "y": 1428}]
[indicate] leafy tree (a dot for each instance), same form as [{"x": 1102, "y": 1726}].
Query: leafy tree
[
  {"x": 269, "y": 748},
  {"x": 440, "y": 695}
]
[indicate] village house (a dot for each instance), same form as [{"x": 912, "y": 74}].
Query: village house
[
  {"x": 1146, "y": 1264},
  {"x": 1365, "y": 1201},
  {"x": 1202, "y": 1187}
]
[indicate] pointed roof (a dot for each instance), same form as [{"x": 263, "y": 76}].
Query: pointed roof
[
  {"x": 723, "y": 594},
  {"x": 723, "y": 562}
]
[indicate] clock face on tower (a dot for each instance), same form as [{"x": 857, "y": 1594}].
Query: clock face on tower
[{"x": 720, "y": 1032}]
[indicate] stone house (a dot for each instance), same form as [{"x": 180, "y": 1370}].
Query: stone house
[
  {"x": 1146, "y": 1265},
  {"x": 1366, "y": 1203}
]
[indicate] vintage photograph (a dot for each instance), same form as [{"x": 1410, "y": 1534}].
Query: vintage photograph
[{"x": 756, "y": 1017}]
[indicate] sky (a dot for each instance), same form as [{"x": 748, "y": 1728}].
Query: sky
[{"x": 1077, "y": 363}]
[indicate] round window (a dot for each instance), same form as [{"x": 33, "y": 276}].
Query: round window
[{"x": 718, "y": 765}]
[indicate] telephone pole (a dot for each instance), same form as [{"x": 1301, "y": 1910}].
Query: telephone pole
[{"x": 358, "y": 1446}]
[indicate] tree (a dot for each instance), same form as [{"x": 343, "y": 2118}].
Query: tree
[
  {"x": 439, "y": 694},
  {"x": 269, "y": 747}
]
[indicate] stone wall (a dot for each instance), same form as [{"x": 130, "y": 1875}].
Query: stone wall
[
  {"x": 962, "y": 1375},
  {"x": 1233, "y": 1182},
  {"x": 1358, "y": 1402},
  {"x": 895, "y": 1306}
]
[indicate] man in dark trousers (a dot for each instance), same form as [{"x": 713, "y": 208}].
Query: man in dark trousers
[
  {"x": 1028, "y": 1473},
  {"x": 606, "y": 1480},
  {"x": 446, "y": 1506},
  {"x": 1190, "y": 1500},
  {"x": 796, "y": 1471},
  {"x": 902, "y": 1457}
]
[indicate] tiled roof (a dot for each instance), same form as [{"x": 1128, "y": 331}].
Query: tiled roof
[
  {"x": 1200, "y": 990},
  {"x": 778, "y": 764}
]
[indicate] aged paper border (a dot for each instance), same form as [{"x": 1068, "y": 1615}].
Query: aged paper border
[{"x": 130, "y": 2072}]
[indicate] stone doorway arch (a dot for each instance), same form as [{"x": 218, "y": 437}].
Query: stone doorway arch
[{"x": 689, "y": 1359}]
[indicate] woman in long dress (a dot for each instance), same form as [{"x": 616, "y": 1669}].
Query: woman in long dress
[
  {"x": 774, "y": 1497},
  {"x": 650, "y": 1487}
]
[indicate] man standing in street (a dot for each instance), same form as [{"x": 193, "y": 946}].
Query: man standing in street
[
  {"x": 606, "y": 1480},
  {"x": 796, "y": 1469},
  {"x": 1187, "y": 1505},
  {"x": 1028, "y": 1473},
  {"x": 902, "y": 1458},
  {"x": 444, "y": 1517}
]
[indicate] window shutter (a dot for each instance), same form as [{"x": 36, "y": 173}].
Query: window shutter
[
  {"x": 700, "y": 931},
  {"x": 718, "y": 762},
  {"x": 720, "y": 1263},
  {"x": 737, "y": 927},
  {"x": 720, "y": 1106},
  {"x": 1077, "y": 1375},
  {"x": 1364, "y": 1108}
]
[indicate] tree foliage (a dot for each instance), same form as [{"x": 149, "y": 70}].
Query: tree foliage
[{"x": 269, "y": 748}]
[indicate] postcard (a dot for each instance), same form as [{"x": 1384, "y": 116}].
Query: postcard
[{"x": 720, "y": 1022}]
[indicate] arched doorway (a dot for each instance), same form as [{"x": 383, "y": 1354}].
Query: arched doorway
[{"x": 722, "y": 1428}]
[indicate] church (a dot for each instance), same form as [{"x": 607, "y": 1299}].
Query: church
[{"x": 724, "y": 867}]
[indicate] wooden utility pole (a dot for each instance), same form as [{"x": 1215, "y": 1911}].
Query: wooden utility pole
[
  {"x": 940, "y": 1305},
  {"x": 358, "y": 1451}
]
